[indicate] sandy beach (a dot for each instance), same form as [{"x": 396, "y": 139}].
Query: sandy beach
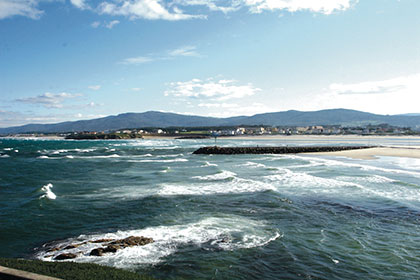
[{"x": 372, "y": 153}]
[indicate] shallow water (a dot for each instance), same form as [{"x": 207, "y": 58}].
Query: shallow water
[{"x": 214, "y": 217}]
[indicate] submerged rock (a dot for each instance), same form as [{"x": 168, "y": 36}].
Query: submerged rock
[
  {"x": 133, "y": 241},
  {"x": 115, "y": 245},
  {"x": 101, "y": 240},
  {"x": 65, "y": 256}
]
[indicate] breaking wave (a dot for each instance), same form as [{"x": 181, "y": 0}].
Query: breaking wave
[
  {"x": 229, "y": 234},
  {"x": 48, "y": 192}
]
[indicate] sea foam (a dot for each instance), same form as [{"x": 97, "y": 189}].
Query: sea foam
[
  {"x": 229, "y": 233},
  {"x": 236, "y": 185},
  {"x": 48, "y": 192},
  {"x": 218, "y": 176}
]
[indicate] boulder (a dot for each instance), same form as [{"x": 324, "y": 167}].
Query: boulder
[
  {"x": 65, "y": 256},
  {"x": 97, "y": 252},
  {"x": 101, "y": 240},
  {"x": 115, "y": 245},
  {"x": 133, "y": 241}
]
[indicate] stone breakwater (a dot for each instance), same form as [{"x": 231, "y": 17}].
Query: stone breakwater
[{"x": 275, "y": 150}]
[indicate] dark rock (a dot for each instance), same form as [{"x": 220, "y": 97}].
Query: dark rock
[
  {"x": 54, "y": 249},
  {"x": 73, "y": 246},
  {"x": 115, "y": 245},
  {"x": 101, "y": 240},
  {"x": 97, "y": 252},
  {"x": 133, "y": 241},
  {"x": 112, "y": 248},
  {"x": 275, "y": 150},
  {"x": 65, "y": 256}
]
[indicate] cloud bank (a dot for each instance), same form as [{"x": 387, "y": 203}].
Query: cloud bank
[
  {"x": 173, "y": 10},
  {"x": 48, "y": 100},
  {"x": 211, "y": 89}
]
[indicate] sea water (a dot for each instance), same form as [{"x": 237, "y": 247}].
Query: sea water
[{"x": 214, "y": 216}]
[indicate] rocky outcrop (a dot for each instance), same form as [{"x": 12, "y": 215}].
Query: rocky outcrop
[
  {"x": 109, "y": 246},
  {"x": 65, "y": 256},
  {"x": 275, "y": 150},
  {"x": 115, "y": 245}
]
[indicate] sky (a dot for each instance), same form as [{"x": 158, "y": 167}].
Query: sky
[{"x": 66, "y": 60}]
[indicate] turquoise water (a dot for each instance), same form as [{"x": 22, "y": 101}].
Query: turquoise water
[{"x": 214, "y": 217}]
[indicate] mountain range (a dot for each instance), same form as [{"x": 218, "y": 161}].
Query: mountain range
[{"x": 342, "y": 117}]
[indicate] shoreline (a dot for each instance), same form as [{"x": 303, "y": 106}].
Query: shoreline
[
  {"x": 248, "y": 137},
  {"x": 373, "y": 153}
]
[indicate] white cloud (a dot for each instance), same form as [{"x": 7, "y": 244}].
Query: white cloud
[
  {"x": 184, "y": 51},
  {"x": 144, "y": 9},
  {"x": 12, "y": 118},
  {"x": 391, "y": 96},
  {"x": 210, "y": 89},
  {"x": 374, "y": 87},
  {"x": 258, "y": 6},
  {"x": 80, "y": 4},
  {"x": 137, "y": 60},
  {"x": 111, "y": 24},
  {"x": 248, "y": 109},
  {"x": 136, "y": 89},
  {"x": 212, "y": 5},
  {"x": 171, "y": 54},
  {"x": 323, "y": 6},
  {"x": 95, "y": 87},
  {"x": 171, "y": 9},
  {"x": 218, "y": 105},
  {"x": 93, "y": 104},
  {"x": 48, "y": 100},
  {"x": 105, "y": 24},
  {"x": 95, "y": 24},
  {"x": 27, "y": 8}
]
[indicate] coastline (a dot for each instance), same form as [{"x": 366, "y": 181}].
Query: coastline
[
  {"x": 372, "y": 153},
  {"x": 252, "y": 137}
]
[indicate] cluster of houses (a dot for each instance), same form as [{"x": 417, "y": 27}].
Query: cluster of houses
[{"x": 381, "y": 129}]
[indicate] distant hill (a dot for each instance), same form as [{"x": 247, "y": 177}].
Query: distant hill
[{"x": 160, "y": 119}]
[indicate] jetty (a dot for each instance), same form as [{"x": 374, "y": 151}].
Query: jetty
[{"x": 275, "y": 150}]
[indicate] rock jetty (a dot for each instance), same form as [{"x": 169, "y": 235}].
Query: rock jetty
[{"x": 275, "y": 150}]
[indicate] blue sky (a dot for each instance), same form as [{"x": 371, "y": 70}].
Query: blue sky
[{"x": 70, "y": 60}]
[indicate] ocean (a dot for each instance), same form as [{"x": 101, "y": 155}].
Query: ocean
[{"x": 214, "y": 217}]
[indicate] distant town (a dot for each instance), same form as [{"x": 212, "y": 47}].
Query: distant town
[{"x": 208, "y": 132}]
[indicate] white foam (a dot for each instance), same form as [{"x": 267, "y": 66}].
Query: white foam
[
  {"x": 69, "y": 156},
  {"x": 229, "y": 233},
  {"x": 206, "y": 163},
  {"x": 218, "y": 176},
  {"x": 166, "y": 170},
  {"x": 47, "y": 192},
  {"x": 8, "y": 149},
  {"x": 162, "y": 160},
  {"x": 236, "y": 185},
  {"x": 43, "y": 157},
  {"x": 253, "y": 164},
  {"x": 4, "y": 156},
  {"x": 56, "y": 152},
  {"x": 372, "y": 186},
  {"x": 83, "y": 150},
  {"x": 334, "y": 163},
  {"x": 304, "y": 180},
  {"x": 94, "y": 157},
  {"x": 16, "y": 151},
  {"x": 371, "y": 179}
]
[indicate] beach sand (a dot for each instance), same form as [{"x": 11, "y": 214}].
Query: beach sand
[{"x": 372, "y": 153}]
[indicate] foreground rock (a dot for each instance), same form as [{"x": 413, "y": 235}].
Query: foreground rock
[
  {"x": 275, "y": 150},
  {"x": 65, "y": 256},
  {"x": 116, "y": 245},
  {"x": 109, "y": 246}
]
